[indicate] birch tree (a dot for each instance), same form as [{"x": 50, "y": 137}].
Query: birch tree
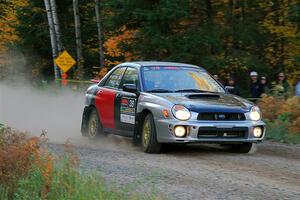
[
  {"x": 99, "y": 28},
  {"x": 78, "y": 39},
  {"x": 56, "y": 26},
  {"x": 52, "y": 37}
]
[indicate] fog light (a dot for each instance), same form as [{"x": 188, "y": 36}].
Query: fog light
[
  {"x": 180, "y": 131},
  {"x": 257, "y": 132}
]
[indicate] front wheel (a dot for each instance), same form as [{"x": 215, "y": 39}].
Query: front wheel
[
  {"x": 149, "y": 139},
  {"x": 241, "y": 148},
  {"x": 94, "y": 127}
]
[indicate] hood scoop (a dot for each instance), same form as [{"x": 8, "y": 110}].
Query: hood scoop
[{"x": 203, "y": 96}]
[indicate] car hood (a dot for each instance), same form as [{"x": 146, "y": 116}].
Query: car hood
[{"x": 209, "y": 102}]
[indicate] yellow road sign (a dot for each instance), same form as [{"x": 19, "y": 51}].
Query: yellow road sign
[{"x": 65, "y": 61}]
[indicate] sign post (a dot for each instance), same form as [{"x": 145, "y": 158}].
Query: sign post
[
  {"x": 64, "y": 81},
  {"x": 65, "y": 61}
]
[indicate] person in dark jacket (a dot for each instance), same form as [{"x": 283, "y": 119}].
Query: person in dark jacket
[
  {"x": 264, "y": 85},
  {"x": 217, "y": 78},
  {"x": 297, "y": 87},
  {"x": 232, "y": 87},
  {"x": 255, "y": 88}
]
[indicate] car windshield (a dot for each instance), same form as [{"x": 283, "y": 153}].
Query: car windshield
[{"x": 166, "y": 79}]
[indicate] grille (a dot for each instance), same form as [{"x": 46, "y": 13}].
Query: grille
[
  {"x": 208, "y": 132},
  {"x": 221, "y": 116}
]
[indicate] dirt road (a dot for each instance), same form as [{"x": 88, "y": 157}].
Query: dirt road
[
  {"x": 196, "y": 171},
  {"x": 181, "y": 172}
]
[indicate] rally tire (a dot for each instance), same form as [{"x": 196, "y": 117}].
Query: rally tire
[
  {"x": 136, "y": 140},
  {"x": 241, "y": 148},
  {"x": 94, "y": 126},
  {"x": 149, "y": 137}
]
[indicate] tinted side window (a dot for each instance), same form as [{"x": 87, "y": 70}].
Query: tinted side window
[
  {"x": 130, "y": 77},
  {"x": 114, "y": 79}
]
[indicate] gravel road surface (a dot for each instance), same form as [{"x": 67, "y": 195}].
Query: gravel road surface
[
  {"x": 180, "y": 172},
  {"x": 195, "y": 171}
]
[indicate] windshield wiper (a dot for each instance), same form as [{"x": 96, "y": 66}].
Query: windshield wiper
[
  {"x": 159, "y": 90},
  {"x": 193, "y": 90}
]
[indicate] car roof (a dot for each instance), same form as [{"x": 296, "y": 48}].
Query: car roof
[{"x": 160, "y": 63}]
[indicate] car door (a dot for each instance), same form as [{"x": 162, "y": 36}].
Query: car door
[
  {"x": 126, "y": 103},
  {"x": 105, "y": 98}
]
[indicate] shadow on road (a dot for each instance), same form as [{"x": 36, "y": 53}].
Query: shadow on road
[{"x": 183, "y": 149}]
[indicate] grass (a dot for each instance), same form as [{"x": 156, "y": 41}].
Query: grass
[
  {"x": 282, "y": 117},
  {"x": 29, "y": 172},
  {"x": 66, "y": 183},
  {"x": 279, "y": 133}
]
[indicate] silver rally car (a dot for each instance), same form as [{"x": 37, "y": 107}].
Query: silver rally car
[{"x": 157, "y": 103}]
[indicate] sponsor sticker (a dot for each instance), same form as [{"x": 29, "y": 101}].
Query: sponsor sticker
[
  {"x": 127, "y": 114},
  {"x": 127, "y": 118}
]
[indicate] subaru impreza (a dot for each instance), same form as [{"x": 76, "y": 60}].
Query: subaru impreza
[{"x": 158, "y": 103}]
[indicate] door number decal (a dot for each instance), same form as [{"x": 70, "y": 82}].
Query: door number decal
[{"x": 127, "y": 114}]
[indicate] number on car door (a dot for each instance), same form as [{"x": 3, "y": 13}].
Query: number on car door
[{"x": 126, "y": 103}]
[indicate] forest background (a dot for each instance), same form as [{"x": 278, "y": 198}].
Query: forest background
[{"x": 227, "y": 37}]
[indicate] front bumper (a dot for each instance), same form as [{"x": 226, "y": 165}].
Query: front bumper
[{"x": 165, "y": 130}]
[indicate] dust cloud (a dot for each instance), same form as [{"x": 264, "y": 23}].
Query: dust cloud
[
  {"x": 56, "y": 112},
  {"x": 33, "y": 109},
  {"x": 25, "y": 108}
]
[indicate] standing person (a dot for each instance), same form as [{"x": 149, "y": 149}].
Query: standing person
[
  {"x": 298, "y": 86},
  {"x": 216, "y": 77},
  {"x": 255, "y": 88},
  {"x": 280, "y": 87},
  {"x": 232, "y": 87},
  {"x": 264, "y": 85}
]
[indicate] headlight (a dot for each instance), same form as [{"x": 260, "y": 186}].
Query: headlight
[
  {"x": 181, "y": 112},
  {"x": 255, "y": 113}
]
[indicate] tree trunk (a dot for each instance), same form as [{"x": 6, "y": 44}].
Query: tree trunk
[
  {"x": 233, "y": 19},
  {"x": 244, "y": 8},
  {"x": 52, "y": 37},
  {"x": 56, "y": 26},
  {"x": 78, "y": 39},
  {"x": 209, "y": 11},
  {"x": 99, "y": 28},
  {"x": 283, "y": 5},
  {"x": 210, "y": 21}
]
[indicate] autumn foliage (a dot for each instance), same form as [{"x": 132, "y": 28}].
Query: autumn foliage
[
  {"x": 19, "y": 155},
  {"x": 282, "y": 112},
  {"x": 114, "y": 43},
  {"x": 29, "y": 171},
  {"x": 228, "y": 38}
]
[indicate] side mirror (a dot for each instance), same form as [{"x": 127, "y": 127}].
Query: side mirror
[{"x": 130, "y": 88}]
